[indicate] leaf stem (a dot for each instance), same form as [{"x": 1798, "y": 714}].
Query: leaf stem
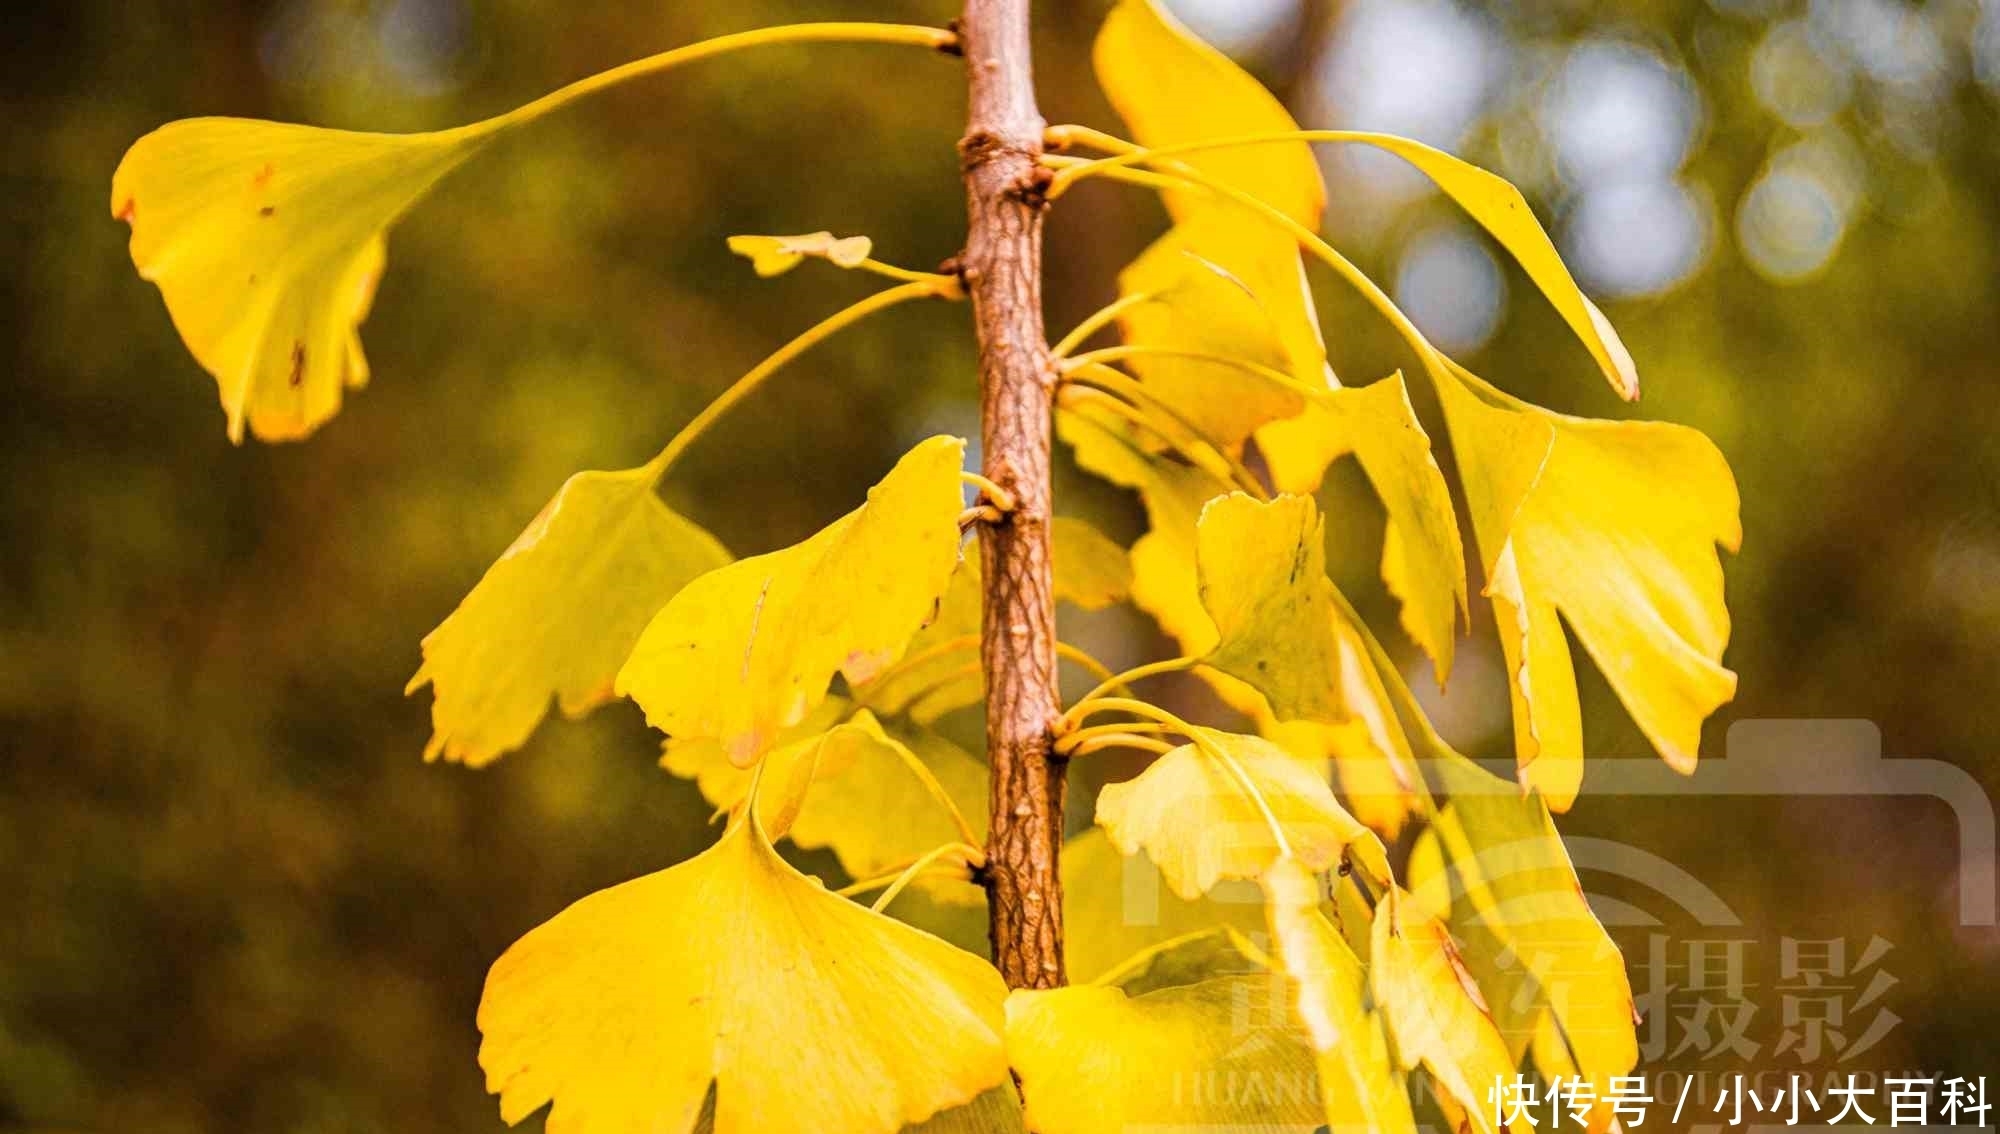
[
  {"x": 965, "y": 850},
  {"x": 1113, "y": 381},
  {"x": 1105, "y": 740},
  {"x": 1072, "y": 743},
  {"x": 1090, "y": 665},
  {"x": 1185, "y": 178},
  {"x": 1088, "y": 389},
  {"x": 992, "y": 492},
  {"x": 937, "y": 792},
  {"x": 746, "y": 385},
  {"x": 1140, "y": 350},
  {"x": 912, "y": 34},
  {"x": 1136, "y": 673},
  {"x": 927, "y": 654},
  {"x": 1097, "y": 321}
]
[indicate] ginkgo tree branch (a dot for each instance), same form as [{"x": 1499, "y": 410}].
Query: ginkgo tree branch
[{"x": 1002, "y": 264}]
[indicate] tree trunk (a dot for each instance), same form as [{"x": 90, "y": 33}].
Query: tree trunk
[{"x": 1002, "y": 265}]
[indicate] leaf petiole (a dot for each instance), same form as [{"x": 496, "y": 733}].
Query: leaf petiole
[
  {"x": 1090, "y": 701},
  {"x": 1097, "y": 321},
  {"x": 746, "y": 385},
  {"x": 969, "y": 856}
]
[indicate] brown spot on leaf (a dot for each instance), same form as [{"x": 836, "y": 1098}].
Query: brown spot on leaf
[
  {"x": 128, "y": 210},
  {"x": 267, "y": 210},
  {"x": 263, "y": 176},
  {"x": 298, "y": 364}
]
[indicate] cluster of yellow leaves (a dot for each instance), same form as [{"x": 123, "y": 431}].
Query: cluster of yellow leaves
[
  {"x": 732, "y": 992},
  {"x": 1612, "y": 525}
]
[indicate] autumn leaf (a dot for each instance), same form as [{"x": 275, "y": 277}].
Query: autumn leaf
[
  {"x": 266, "y": 241},
  {"x": 1434, "y": 1010},
  {"x": 1612, "y": 527},
  {"x": 1530, "y": 939},
  {"x": 1172, "y": 88},
  {"x": 1162, "y": 560},
  {"x": 747, "y": 650},
  {"x": 1281, "y": 626},
  {"x": 1116, "y": 907},
  {"x": 1108, "y": 1057},
  {"x": 775, "y": 255},
  {"x": 1499, "y": 208},
  {"x": 1227, "y": 806},
  {"x": 861, "y": 772},
  {"x": 1423, "y": 562},
  {"x": 804, "y": 1010},
  {"x": 557, "y": 614},
  {"x": 1360, "y": 1087}
]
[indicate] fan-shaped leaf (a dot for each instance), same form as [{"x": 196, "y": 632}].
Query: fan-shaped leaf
[
  {"x": 1530, "y": 939},
  {"x": 1228, "y": 806},
  {"x": 1117, "y": 906},
  {"x": 1613, "y": 526},
  {"x": 1172, "y": 88},
  {"x": 804, "y": 1010},
  {"x": 1283, "y": 628},
  {"x": 266, "y": 241},
  {"x": 1163, "y": 560},
  {"x": 747, "y": 650},
  {"x": 1423, "y": 561},
  {"x": 775, "y": 255},
  {"x": 1360, "y": 1088},
  {"x": 1434, "y": 1009},
  {"x": 861, "y": 772},
  {"x": 1501, "y": 210},
  {"x": 1093, "y": 1059},
  {"x": 556, "y": 615}
]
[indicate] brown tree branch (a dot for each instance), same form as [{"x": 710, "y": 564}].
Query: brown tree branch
[{"x": 1002, "y": 266}]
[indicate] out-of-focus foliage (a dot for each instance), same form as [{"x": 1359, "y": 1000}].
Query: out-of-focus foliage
[{"x": 243, "y": 902}]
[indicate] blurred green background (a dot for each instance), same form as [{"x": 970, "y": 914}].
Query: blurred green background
[{"x": 238, "y": 900}]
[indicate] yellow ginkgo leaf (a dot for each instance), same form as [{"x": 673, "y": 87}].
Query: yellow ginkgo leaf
[
  {"x": 1501, "y": 210},
  {"x": 1093, "y": 1059},
  {"x": 860, "y": 772},
  {"x": 557, "y": 614},
  {"x": 941, "y": 672},
  {"x": 1434, "y": 1010},
  {"x": 1171, "y": 88},
  {"x": 1530, "y": 939},
  {"x": 747, "y": 650},
  {"x": 1163, "y": 560},
  {"x": 775, "y": 255},
  {"x": 998, "y": 1111},
  {"x": 1117, "y": 907},
  {"x": 266, "y": 241},
  {"x": 1423, "y": 562},
  {"x": 804, "y": 1011},
  {"x": 1611, "y": 526},
  {"x": 1227, "y": 806},
  {"x": 1369, "y": 756},
  {"x": 1360, "y": 1087},
  {"x": 1282, "y": 627},
  {"x": 1200, "y": 307}
]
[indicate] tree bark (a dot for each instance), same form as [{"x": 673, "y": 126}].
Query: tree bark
[{"x": 1002, "y": 267}]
